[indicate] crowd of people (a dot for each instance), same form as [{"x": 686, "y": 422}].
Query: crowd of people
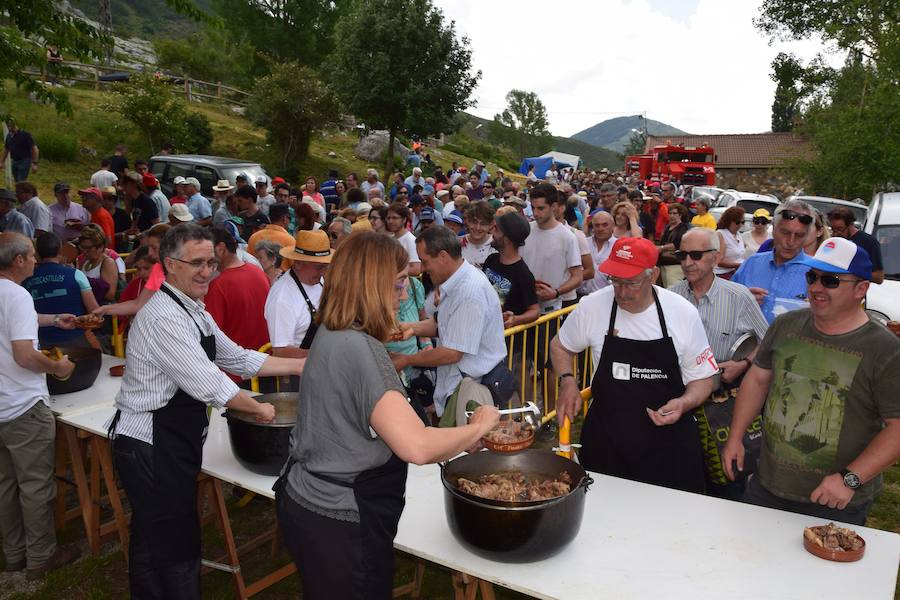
[{"x": 385, "y": 304}]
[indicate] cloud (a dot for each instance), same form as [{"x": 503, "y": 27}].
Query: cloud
[{"x": 704, "y": 70}]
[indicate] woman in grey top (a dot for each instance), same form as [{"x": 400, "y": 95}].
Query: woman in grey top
[{"x": 340, "y": 496}]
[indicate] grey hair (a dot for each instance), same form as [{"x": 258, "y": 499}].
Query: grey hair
[
  {"x": 178, "y": 236},
  {"x": 346, "y": 225},
  {"x": 372, "y": 172},
  {"x": 712, "y": 237},
  {"x": 11, "y": 246},
  {"x": 670, "y": 184},
  {"x": 608, "y": 187},
  {"x": 272, "y": 249},
  {"x": 441, "y": 238},
  {"x": 798, "y": 206}
]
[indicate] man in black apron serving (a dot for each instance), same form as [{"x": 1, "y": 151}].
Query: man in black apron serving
[
  {"x": 652, "y": 367},
  {"x": 294, "y": 299},
  {"x": 172, "y": 374}
]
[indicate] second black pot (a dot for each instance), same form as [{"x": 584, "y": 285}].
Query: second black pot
[{"x": 263, "y": 447}]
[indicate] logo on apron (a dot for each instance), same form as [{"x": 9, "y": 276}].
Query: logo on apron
[{"x": 621, "y": 371}]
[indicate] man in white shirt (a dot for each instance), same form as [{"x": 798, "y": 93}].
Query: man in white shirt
[
  {"x": 372, "y": 182},
  {"x": 600, "y": 243},
  {"x": 104, "y": 177},
  {"x": 264, "y": 198},
  {"x": 33, "y": 207},
  {"x": 294, "y": 298},
  {"x": 197, "y": 203},
  {"x": 27, "y": 427},
  {"x": 652, "y": 366}
]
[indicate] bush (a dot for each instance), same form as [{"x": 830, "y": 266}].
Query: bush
[
  {"x": 198, "y": 134},
  {"x": 57, "y": 146}
]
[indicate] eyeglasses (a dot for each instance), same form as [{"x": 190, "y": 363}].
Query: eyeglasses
[
  {"x": 760, "y": 221},
  {"x": 681, "y": 255},
  {"x": 828, "y": 280},
  {"x": 333, "y": 236},
  {"x": 791, "y": 215},
  {"x": 197, "y": 265},
  {"x": 625, "y": 283},
  {"x": 84, "y": 246}
]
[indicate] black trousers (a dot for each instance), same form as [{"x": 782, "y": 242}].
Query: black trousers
[
  {"x": 327, "y": 552},
  {"x": 180, "y": 581}
]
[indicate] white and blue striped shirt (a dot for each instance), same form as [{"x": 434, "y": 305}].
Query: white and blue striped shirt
[
  {"x": 728, "y": 310},
  {"x": 164, "y": 355}
]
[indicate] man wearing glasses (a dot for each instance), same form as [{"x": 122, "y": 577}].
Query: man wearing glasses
[
  {"x": 728, "y": 312},
  {"x": 828, "y": 379},
  {"x": 777, "y": 277},
  {"x": 173, "y": 372},
  {"x": 652, "y": 366}
]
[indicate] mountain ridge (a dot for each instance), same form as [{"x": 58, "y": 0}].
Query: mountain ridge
[{"x": 614, "y": 134}]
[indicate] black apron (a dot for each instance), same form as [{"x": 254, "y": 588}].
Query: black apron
[
  {"x": 618, "y": 437},
  {"x": 179, "y": 430},
  {"x": 380, "y": 498},
  {"x": 291, "y": 383}
]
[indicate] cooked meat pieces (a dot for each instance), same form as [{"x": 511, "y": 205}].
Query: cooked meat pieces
[
  {"x": 832, "y": 537},
  {"x": 509, "y": 432},
  {"x": 88, "y": 321},
  {"x": 514, "y": 486}
]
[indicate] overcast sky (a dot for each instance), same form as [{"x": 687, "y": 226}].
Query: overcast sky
[{"x": 699, "y": 65}]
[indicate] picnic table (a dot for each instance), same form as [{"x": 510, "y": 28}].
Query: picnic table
[{"x": 636, "y": 541}]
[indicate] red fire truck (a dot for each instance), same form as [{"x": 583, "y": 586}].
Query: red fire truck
[{"x": 689, "y": 166}]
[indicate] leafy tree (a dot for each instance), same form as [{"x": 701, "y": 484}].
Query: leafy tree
[
  {"x": 398, "y": 66},
  {"x": 22, "y": 24},
  {"x": 525, "y": 116},
  {"x": 292, "y": 103},
  {"x": 283, "y": 30},
  {"x": 148, "y": 104},
  {"x": 636, "y": 144},
  {"x": 787, "y": 72},
  {"x": 210, "y": 55}
]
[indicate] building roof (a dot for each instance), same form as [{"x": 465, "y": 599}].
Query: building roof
[{"x": 744, "y": 150}]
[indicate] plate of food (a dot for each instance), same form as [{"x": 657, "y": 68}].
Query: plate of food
[
  {"x": 509, "y": 436},
  {"x": 88, "y": 321},
  {"x": 117, "y": 371},
  {"x": 832, "y": 542}
]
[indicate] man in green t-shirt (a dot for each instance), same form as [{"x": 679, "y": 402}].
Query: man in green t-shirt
[{"x": 828, "y": 377}]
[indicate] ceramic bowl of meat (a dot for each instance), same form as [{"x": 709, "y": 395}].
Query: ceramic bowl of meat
[
  {"x": 89, "y": 321},
  {"x": 834, "y": 543},
  {"x": 514, "y": 507},
  {"x": 509, "y": 436},
  {"x": 117, "y": 371}
]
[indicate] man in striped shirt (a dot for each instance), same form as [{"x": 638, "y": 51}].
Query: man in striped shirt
[
  {"x": 728, "y": 310},
  {"x": 172, "y": 374}
]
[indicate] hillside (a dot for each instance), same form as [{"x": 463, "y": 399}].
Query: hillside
[
  {"x": 71, "y": 148},
  {"x": 146, "y": 19},
  {"x": 613, "y": 134},
  {"x": 594, "y": 157}
]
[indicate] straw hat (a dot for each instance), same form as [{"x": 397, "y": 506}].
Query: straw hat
[
  {"x": 223, "y": 185},
  {"x": 309, "y": 246}
]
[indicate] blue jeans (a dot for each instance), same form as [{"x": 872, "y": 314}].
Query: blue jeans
[{"x": 21, "y": 169}]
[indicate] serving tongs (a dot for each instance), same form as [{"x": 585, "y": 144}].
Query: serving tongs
[{"x": 530, "y": 407}]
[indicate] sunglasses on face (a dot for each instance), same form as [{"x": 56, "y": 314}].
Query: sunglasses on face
[
  {"x": 682, "y": 255},
  {"x": 761, "y": 221},
  {"x": 828, "y": 280},
  {"x": 791, "y": 215}
]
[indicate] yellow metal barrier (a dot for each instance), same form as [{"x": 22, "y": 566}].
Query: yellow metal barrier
[
  {"x": 254, "y": 381},
  {"x": 118, "y": 338},
  {"x": 528, "y": 357}
]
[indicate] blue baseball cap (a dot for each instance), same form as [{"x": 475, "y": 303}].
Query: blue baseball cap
[
  {"x": 416, "y": 199},
  {"x": 232, "y": 229},
  {"x": 454, "y": 217},
  {"x": 841, "y": 256},
  {"x": 428, "y": 190},
  {"x": 427, "y": 214}
]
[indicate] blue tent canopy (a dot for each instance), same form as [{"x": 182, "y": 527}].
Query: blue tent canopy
[{"x": 541, "y": 164}]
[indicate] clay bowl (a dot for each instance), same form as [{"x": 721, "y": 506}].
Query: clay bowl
[{"x": 835, "y": 555}]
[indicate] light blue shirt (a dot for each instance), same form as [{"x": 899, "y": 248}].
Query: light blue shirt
[
  {"x": 470, "y": 321},
  {"x": 199, "y": 207},
  {"x": 162, "y": 205},
  {"x": 786, "y": 283},
  {"x": 16, "y": 222}
]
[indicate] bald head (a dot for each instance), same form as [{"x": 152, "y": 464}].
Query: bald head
[{"x": 602, "y": 226}]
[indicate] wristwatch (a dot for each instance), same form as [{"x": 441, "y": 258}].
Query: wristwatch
[
  {"x": 564, "y": 375},
  {"x": 56, "y": 319},
  {"x": 851, "y": 479}
]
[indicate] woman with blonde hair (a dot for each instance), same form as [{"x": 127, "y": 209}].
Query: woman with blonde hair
[
  {"x": 625, "y": 221},
  {"x": 340, "y": 496},
  {"x": 821, "y": 234}
]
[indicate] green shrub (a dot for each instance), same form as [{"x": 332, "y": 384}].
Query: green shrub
[
  {"x": 57, "y": 146},
  {"x": 198, "y": 134}
]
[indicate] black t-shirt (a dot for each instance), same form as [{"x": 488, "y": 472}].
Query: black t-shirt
[
  {"x": 19, "y": 144},
  {"x": 647, "y": 224},
  {"x": 121, "y": 220},
  {"x": 513, "y": 283},
  {"x": 253, "y": 223},
  {"x": 148, "y": 212},
  {"x": 117, "y": 164},
  {"x": 868, "y": 243}
]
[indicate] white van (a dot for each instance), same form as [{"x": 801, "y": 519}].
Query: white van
[{"x": 883, "y": 222}]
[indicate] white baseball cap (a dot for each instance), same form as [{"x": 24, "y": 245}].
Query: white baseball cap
[
  {"x": 192, "y": 181},
  {"x": 261, "y": 179},
  {"x": 181, "y": 212},
  {"x": 178, "y": 180}
]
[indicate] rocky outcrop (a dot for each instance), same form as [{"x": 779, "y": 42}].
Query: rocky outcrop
[{"x": 371, "y": 148}]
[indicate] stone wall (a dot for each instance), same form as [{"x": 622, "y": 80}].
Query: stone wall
[{"x": 780, "y": 182}]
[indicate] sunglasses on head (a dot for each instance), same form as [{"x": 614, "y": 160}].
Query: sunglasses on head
[
  {"x": 681, "y": 255},
  {"x": 828, "y": 280},
  {"x": 760, "y": 221},
  {"x": 791, "y": 215}
]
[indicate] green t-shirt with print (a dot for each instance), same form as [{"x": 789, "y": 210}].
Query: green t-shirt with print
[{"x": 829, "y": 397}]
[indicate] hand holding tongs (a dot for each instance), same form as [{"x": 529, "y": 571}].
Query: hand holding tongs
[{"x": 530, "y": 407}]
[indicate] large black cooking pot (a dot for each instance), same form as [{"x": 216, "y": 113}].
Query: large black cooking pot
[
  {"x": 87, "y": 366},
  {"x": 514, "y": 532},
  {"x": 263, "y": 447}
]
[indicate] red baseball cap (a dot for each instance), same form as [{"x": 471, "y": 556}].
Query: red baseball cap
[
  {"x": 278, "y": 180},
  {"x": 629, "y": 257},
  {"x": 149, "y": 180},
  {"x": 91, "y": 191}
]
